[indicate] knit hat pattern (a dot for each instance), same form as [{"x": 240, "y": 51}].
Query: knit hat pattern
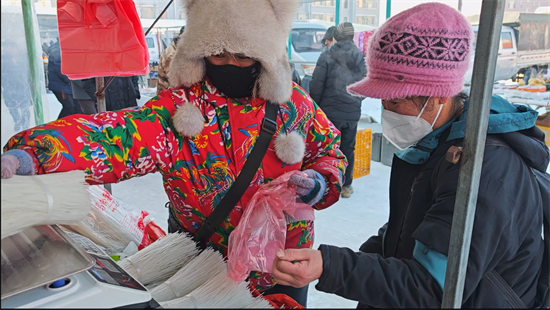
[{"x": 423, "y": 51}]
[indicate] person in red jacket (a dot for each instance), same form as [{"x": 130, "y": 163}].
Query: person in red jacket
[{"x": 199, "y": 134}]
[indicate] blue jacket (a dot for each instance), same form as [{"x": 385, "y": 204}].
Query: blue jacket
[
  {"x": 404, "y": 266},
  {"x": 57, "y": 81}
]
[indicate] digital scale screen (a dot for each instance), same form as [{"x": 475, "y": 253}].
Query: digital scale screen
[{"x": 107, "y": 271}]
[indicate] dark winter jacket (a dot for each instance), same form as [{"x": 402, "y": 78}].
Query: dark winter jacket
[
  {"x": 123, "y": 92},
  {"x": 79, "y": 92},
  {"x": 404, "y": 266},
  {"x": 341, "y": 65},
  {"x": 57, "y": 81}
]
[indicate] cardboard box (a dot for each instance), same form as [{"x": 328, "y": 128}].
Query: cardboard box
[
  {"x": 153, "y": 82},
  {"x": 154, "y": 68}
]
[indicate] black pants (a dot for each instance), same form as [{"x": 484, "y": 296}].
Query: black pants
[
  {"x": 87, "y": 106},
  {"x": 67, "y": 102},
  {"x": 298, "y": 294},
  {"x": 347, "y": 146}
]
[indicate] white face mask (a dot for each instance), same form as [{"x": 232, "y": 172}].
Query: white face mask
[{"x": 405, "y": 130}]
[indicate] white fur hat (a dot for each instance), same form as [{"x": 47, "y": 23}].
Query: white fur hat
[{"x": 256, "y": 28}]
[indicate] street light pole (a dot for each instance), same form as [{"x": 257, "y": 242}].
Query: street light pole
[{"x": 337, "y": 18}]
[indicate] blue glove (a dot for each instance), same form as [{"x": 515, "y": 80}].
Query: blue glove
[
  {"x": 311, "y": 188},
  {"x": 17, "y": 162}
]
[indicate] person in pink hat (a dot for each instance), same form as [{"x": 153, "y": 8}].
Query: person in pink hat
[{"x": 416, "y": 64}]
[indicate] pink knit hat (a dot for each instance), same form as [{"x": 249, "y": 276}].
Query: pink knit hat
[{"x": 423, "y": 51}]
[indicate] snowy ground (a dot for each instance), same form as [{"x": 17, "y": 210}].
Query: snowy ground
[{"x": 348, "y": 223}]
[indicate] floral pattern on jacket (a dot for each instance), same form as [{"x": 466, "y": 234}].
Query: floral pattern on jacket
[{"x": 197, "y": 171}]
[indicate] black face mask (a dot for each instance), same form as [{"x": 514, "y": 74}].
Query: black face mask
[{"x": 233, "y": 81}]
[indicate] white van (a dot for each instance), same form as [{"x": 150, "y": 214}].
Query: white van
[
  {"x": 306, "y": 46},
  {"x": 155, "y": 50}
]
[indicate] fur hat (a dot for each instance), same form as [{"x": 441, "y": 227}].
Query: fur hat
[{"x": 256, "y": 28}]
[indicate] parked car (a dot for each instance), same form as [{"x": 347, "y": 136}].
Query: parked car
[{"x": 306, "y": 46}]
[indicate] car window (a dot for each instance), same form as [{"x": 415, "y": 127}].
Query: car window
[
  {"x": 150, "y": 42},
  {"x": 506, "y": 40},
  {"x": 307, "y": 40}
]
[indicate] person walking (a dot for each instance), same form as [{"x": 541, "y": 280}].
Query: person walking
[
  {"x": 328, "y": 38},
  {"x": 232, "y": 88},
  {"x": 341, "y": 65},
  {"x": 16, "y": 83},
  {"x": 60, "y": 84},
  {"x": 404, "y": 266}
]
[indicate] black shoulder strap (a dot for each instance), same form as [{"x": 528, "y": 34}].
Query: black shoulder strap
[{"x": 222, "y": 210}]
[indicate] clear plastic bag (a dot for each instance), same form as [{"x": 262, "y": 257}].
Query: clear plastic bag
[
  {"x": 114, "y": 224},
  {"x": 262, "y": 229}
]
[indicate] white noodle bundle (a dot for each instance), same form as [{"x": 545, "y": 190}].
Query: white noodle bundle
[
  {"x": 46, "y": 199},
  {"x": 161, "y": 259},
  {"x": 219, "y": 292},
  {"x": 111, "y": 222},
  {"x": 207, "y": 265}
]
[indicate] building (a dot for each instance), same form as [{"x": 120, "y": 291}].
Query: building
[
  {"x": 151, "y": 9},
  {"x": 525, "y": 6},
  {"x": 365, "y": 12}
]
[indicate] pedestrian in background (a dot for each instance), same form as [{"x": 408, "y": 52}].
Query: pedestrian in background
[
  {"x": 123, "y": 92},
  {"x": 328, "y": 39},
  {"x": 60, "y": 84},
  {"x": 164, "y": 63},
  {"x": 88, "y": 104},
  {"x": 341, "y": 65}
]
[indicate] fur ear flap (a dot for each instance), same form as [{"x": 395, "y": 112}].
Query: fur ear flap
[
  {"x": 276, "y": 84},
  {"x": 290, "y": 148},
  {"x": 188, "y": 120},
  {"x": 185, "y": 71}
]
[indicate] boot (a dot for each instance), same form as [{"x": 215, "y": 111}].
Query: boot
[{"x": 347, "y": 191}]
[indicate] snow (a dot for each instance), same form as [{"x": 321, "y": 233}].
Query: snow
[{"x": 348, "y": 223}]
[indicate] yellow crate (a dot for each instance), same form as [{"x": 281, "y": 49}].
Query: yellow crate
[
  {"x": 546, "y": 133},
  {"x": 363, "y": 151}
]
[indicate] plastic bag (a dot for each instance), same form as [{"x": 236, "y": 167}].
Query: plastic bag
[
  {"x": 101, "y": 38},
  {"x": 113, "y": 224},
  {"x": 262, "y": 229}
]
